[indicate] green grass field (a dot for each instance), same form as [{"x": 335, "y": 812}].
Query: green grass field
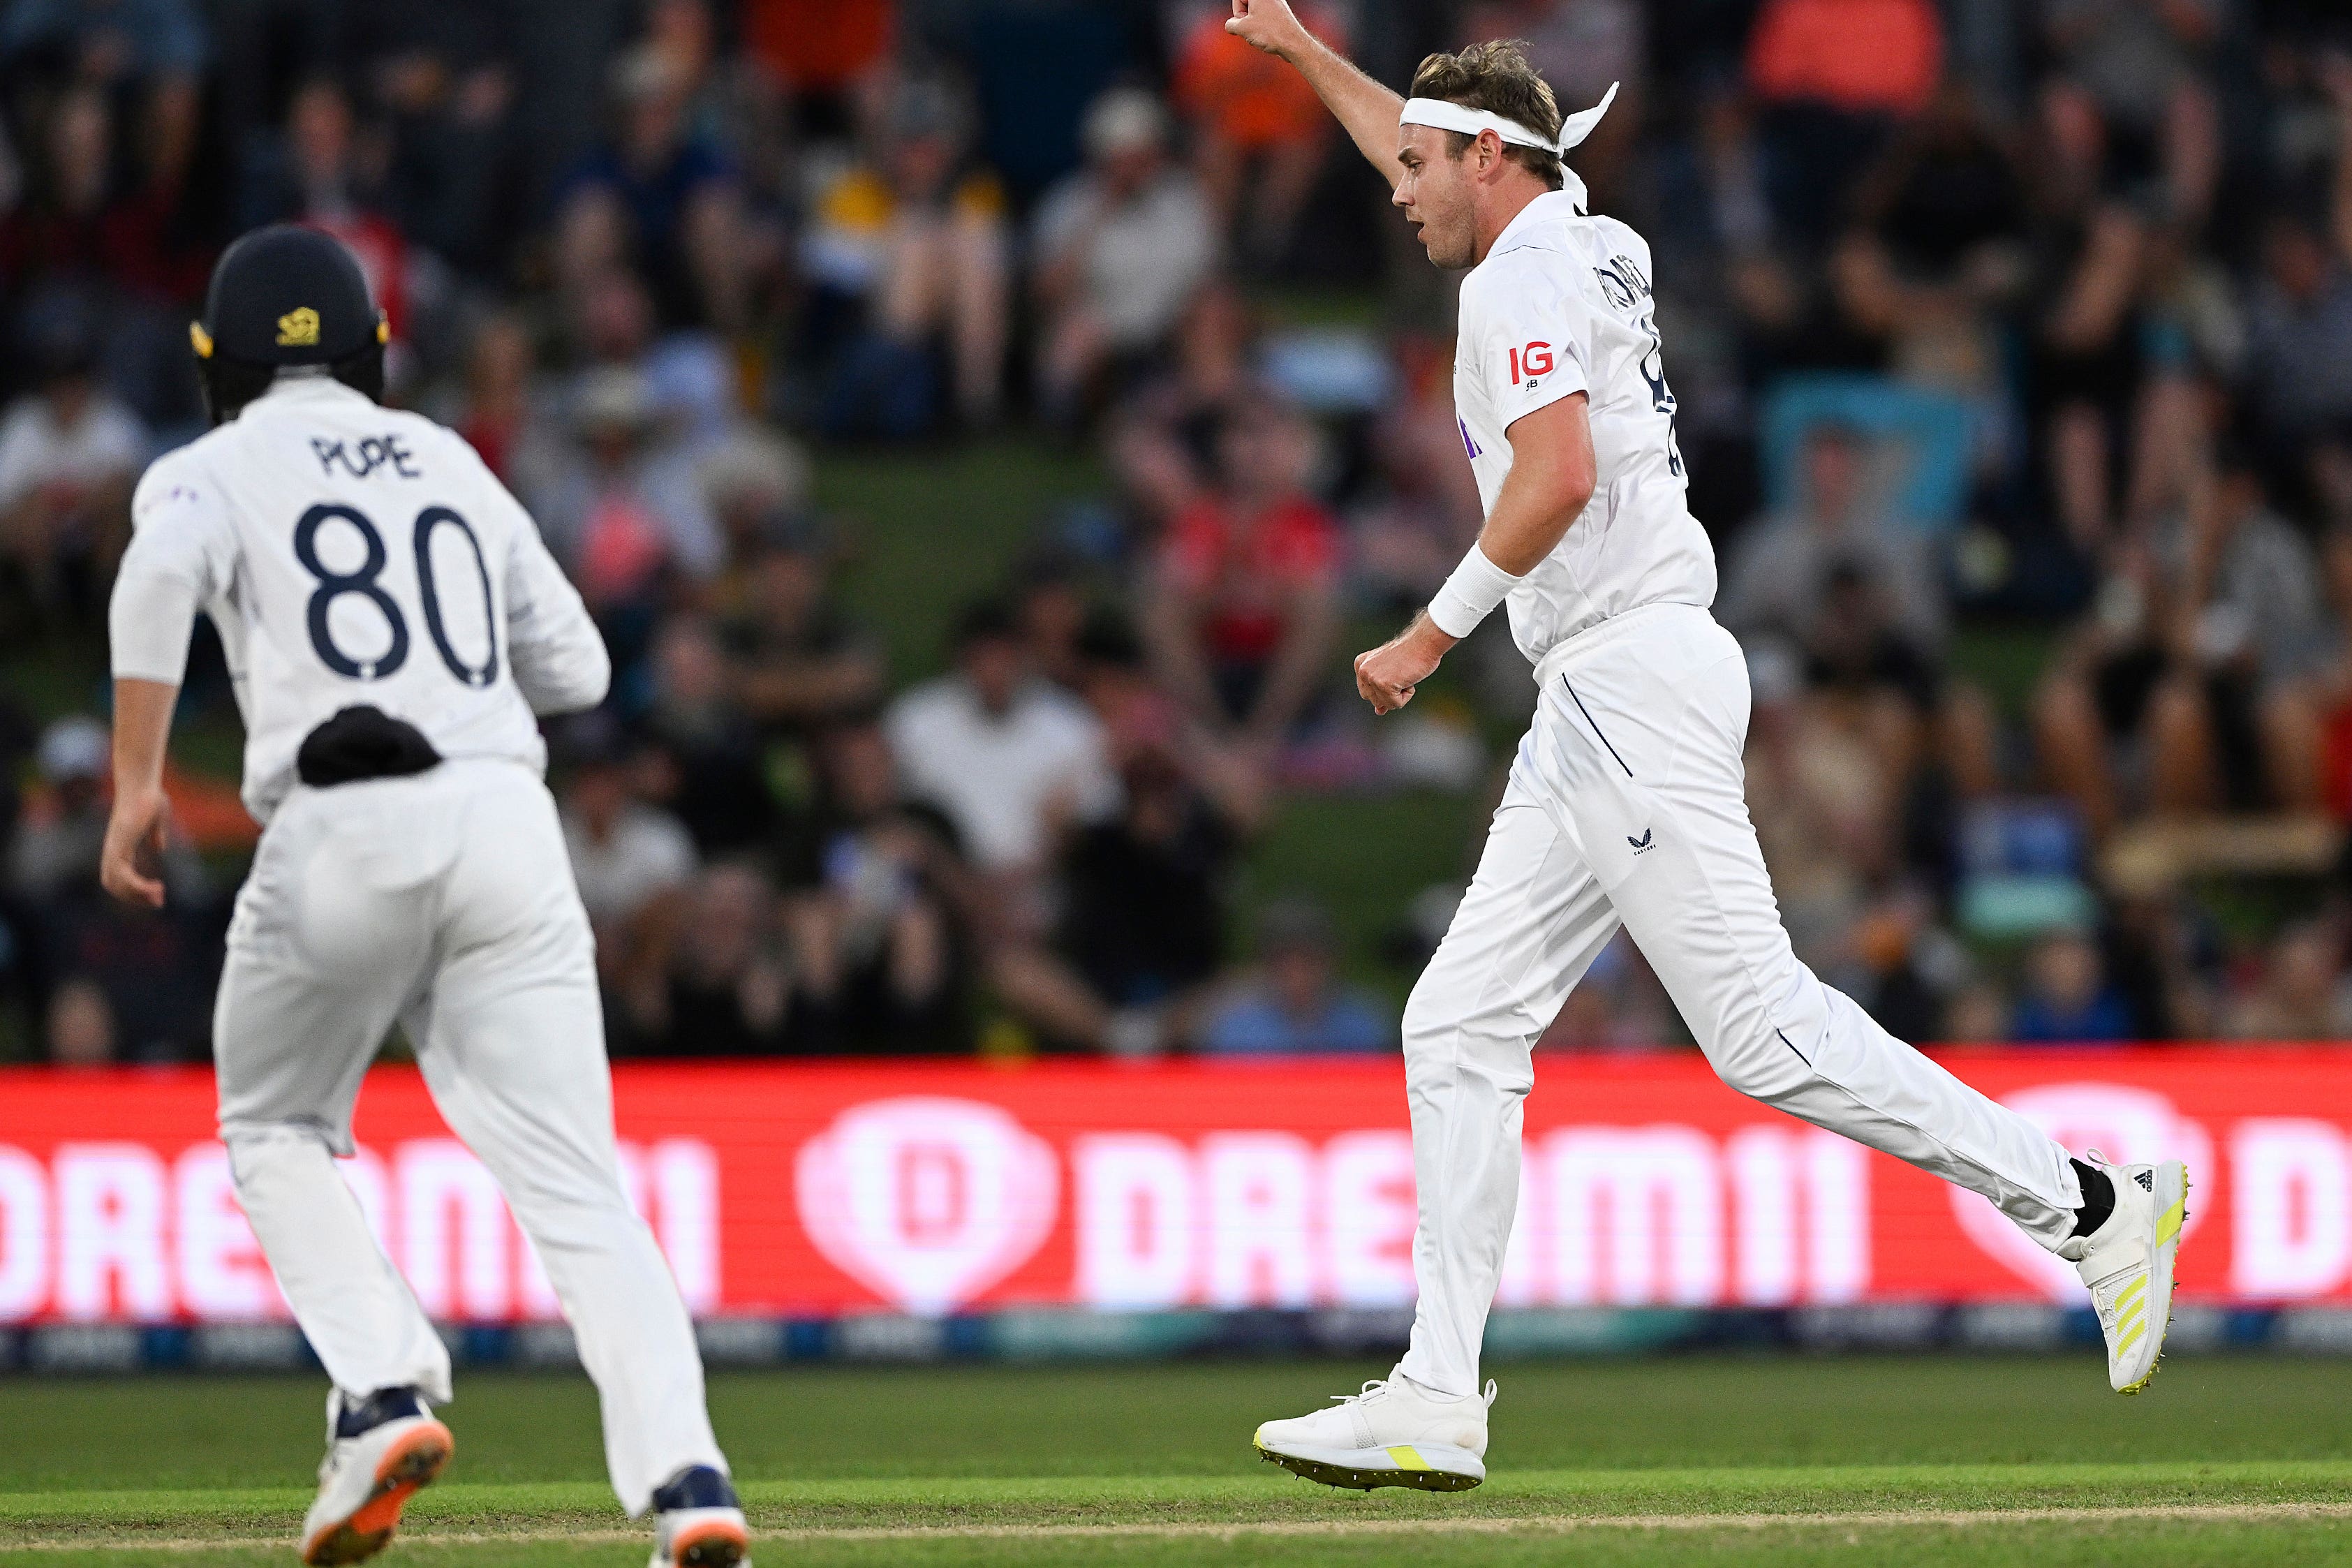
[{"x": 1964, "y": 1460}]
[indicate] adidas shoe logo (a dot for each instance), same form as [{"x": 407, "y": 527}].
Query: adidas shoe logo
[{"x": 2146, "y": 1180}]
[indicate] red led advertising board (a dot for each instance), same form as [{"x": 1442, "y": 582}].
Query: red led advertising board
[{"x": 811, "y": 1189}]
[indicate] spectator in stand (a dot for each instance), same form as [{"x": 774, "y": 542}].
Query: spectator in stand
[
  {"x": 68, "y": 456},
  {"x": 2068, "y": 999},
  {"x": 750, "y": 479},
  {"x": 319, "y": 178},
  {"x": 1140, "y": 720},
  {"x": 145, "y": 55},
  {"x": 1142, "y": 920},
  {"x": 1294, "y": 1003},
  {"x": 83, "y": 226},
  {"x": 631, "y": 515},
  {"x": 1825, "y": 807},
  {"x": 1014, "y": 766},
  {"x": 2205, "y": 641},
  {"x": 1260, "y": 136},
  {"x": 2302, "y": 996},
  {"x": 820, "y": 52},
  {"x": 2138, "y": 69},
  {"x": 1051, "y": 605},
  {"x": 1242, "y": 609},
  {"x": 80, "y": 1027},
  {"x": 1779, "y": 574},
  {"x": 1011, "y": 762},
  {"x": 911, "y": 250},
  {"x": 2092, "y": 254},
  {"x": 499, "y": 416},
  {"x": 1903, "y": 967},
  {"x": 154, "y": 971},
  {"x": 663, "y": 196},
  {"x": 437, "y": 80},
  {"x": 799, "y": 661},
  {"x": 726, "y": 986},
  {"x": 1834, "y": 77},
  {"x": 689, "y": 376},
  {"x": 1163, "y": 438},
  {"x": 710, "y": 766},
  {"x": 1937, "y": 249},
  {"x": 55, "y": 846},
  {"x": 2299, "y": 359},
  {"x": 146, "y": 977},
  {"x": 1935, "y": 737},
  {"x": 1425, "y": 510},
  {"x": 872, "y": 888},
  {"x": 632, "y": 859},
  {"x": 1119, "y": 249},
  {"x": 2329, "y": 692}
]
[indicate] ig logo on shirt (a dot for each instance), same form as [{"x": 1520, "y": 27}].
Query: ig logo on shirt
[{"x": 1537, "y": 359}]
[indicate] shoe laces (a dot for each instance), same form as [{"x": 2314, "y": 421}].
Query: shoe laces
[{"x": 1375, "y": 1388}]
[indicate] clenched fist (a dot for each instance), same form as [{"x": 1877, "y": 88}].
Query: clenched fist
[
  {"x": 1267, "y": 24},
  {"x": 1386, "y": 676}
]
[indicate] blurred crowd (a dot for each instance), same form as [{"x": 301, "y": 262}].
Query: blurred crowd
[{"x": 2012, "y": 345}]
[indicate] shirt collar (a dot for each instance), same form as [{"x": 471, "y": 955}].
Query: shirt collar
[
  {"x": 1548, "y": 207},
  {"x": 309, "y": 386}
]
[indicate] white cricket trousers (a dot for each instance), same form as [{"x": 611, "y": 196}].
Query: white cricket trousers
[
  {"x": 445, "y": 902},
  {"x": 1626, "y": 806}
]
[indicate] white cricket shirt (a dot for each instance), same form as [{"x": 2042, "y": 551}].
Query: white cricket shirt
[
  {"x": 1562, "y": 305},
  {"x": 349, "y": 554}
]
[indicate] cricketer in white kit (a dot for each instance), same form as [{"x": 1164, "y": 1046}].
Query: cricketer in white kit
[
  {"x": 393, "y": 624},
  {"x": 1625, "y": 804}
]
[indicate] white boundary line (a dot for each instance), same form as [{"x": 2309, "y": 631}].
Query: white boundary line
[{"x": 2223, "y": 1513}]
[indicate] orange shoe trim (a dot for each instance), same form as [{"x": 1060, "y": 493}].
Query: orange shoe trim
[
  {"x": 682, "y": 1549},
  {"x": 408, "y": 1465}
]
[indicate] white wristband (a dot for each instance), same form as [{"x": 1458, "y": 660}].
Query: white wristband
[{"x": 1476, "y": 587}]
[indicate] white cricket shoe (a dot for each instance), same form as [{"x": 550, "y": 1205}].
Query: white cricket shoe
[
  {"x": 2127, "y": 1263},
  {"x": 1393, "y": 1433},
  {"x": 699, "y": 1522},
  {"x": 380, "y": 1449}
]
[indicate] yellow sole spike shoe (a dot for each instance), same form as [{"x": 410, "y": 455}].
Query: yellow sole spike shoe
[
  {"x": 1393, "y": 1433},
  {"x": 2128, "y": 1265}
]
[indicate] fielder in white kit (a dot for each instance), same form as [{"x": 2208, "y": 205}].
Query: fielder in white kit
[
  {"x": 1625, "y": 804},
  {"x": 392, "y": 622}
]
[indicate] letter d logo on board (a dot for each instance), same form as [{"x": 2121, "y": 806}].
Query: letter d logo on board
[{"x": 927, "y": 1201}]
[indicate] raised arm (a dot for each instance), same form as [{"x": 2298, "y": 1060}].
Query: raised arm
[{"x": 1368, "y": 110}]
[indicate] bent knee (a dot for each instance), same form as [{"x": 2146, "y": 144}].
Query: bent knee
[
  {"x": 1760, "y": 1063},
  {"x": 255, "y": 1147},
  {"x": 1444, "y": 1039}
]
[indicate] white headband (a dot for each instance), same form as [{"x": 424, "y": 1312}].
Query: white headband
[{"x": 1442, "y": 115}]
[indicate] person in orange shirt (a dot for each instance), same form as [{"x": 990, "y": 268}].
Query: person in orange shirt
[
  {"x": 1832, "y": 77},
  {"x": 1864, "y": 57},
  {"x": 1259, "y": 135}
]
